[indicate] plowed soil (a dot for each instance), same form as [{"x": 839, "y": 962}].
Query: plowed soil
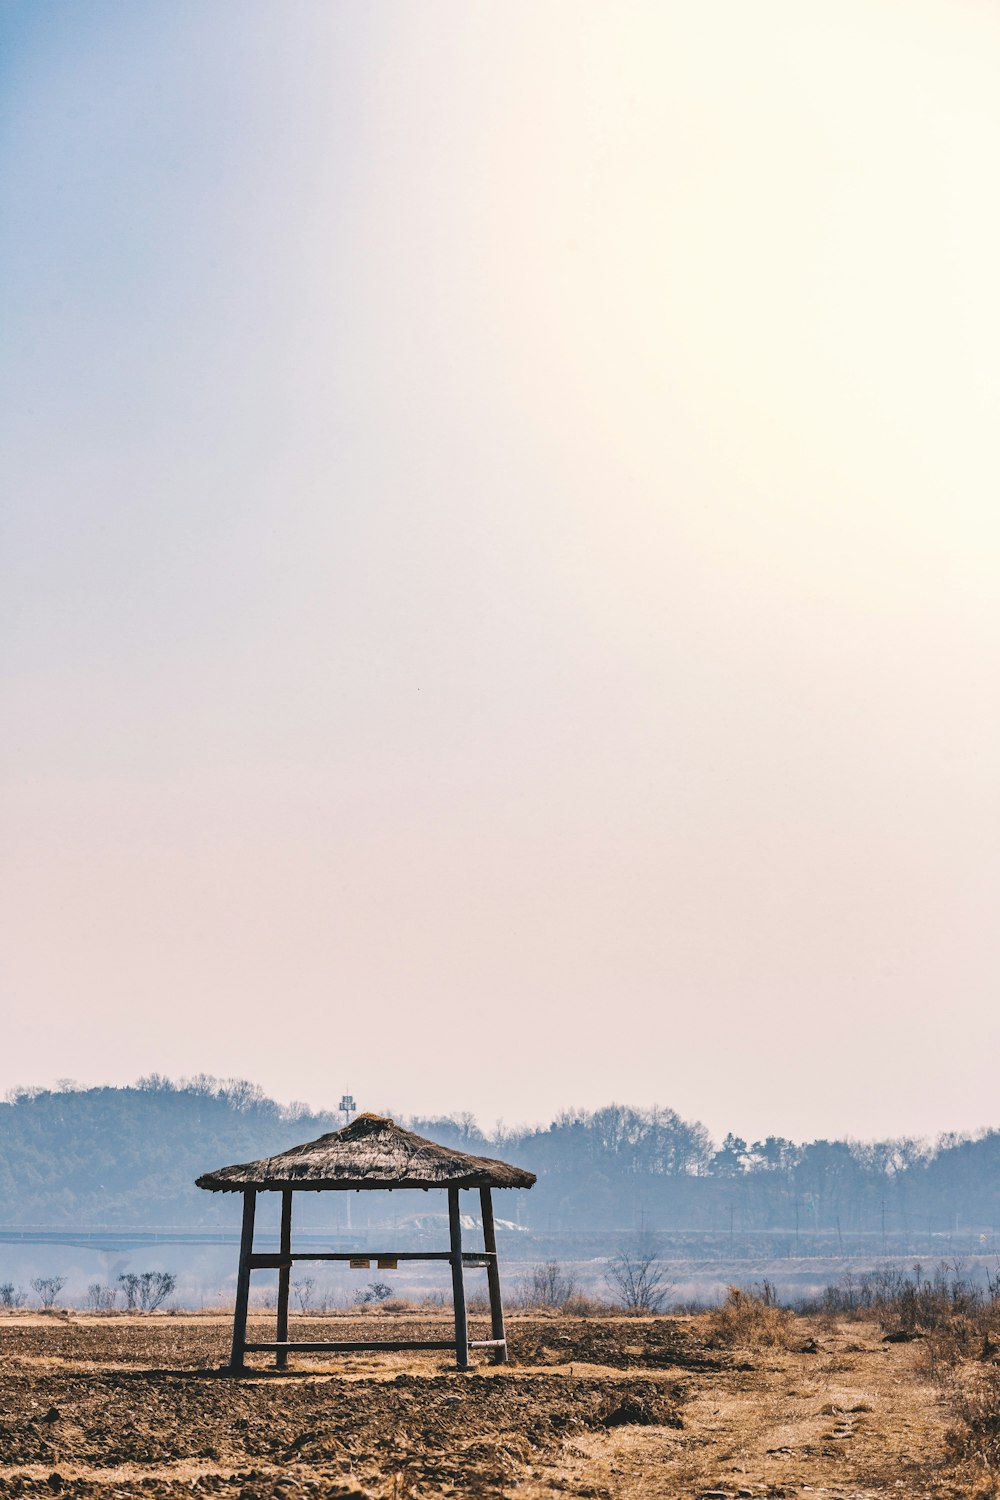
[{"x": 604, "y": 1408}]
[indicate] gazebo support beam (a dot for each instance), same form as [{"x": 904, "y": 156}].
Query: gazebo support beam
[
  {"x": 284, "y": 1277},
  {"x": 340, "y": 1347},
  {"x": 261, "y": 1261},
  {"x": 499, "y": 1339},
  {"x": 243, "y": 1284},
  {"x": 458, "y": 1281}
]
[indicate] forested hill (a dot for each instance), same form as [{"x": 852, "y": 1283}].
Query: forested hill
[
  {"x": 130, "y": 1155},
  {"x": 108, "y": 1156}
]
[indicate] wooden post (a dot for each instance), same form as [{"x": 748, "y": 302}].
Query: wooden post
[
  {"x": 284, "y": 1277},
  {"x": 243, "y": 1284},
  {"x": 458, "y": 1282},
  {"x": 493, "y": 1276}
]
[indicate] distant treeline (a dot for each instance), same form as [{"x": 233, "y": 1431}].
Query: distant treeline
[{"x": 130, "y": 1156}]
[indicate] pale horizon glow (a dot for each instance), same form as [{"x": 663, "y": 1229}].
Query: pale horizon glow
[{"x": 499, "y": 593}]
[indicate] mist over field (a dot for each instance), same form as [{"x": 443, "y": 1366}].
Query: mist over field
[{"x": 104, "y": 1178}]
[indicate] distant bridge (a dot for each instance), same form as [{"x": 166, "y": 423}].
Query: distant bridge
[{"x": 109, "y": 1237}]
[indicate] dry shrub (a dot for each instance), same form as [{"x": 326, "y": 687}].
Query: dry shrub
[
  {"x": 948, "y": 1343},
  {"x": 547, "y": 1291},
  {"x": 580, "y": 1305},
  {"x": 546, "y": 1285},
  {"x": 751, "y": 1319},
  {"x": 946, "y": 1298},
  {"x": 976, "y": 1440},
  {"x": 954, "y": 1316}
]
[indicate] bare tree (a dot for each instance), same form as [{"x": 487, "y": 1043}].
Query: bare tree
[
  {"x": 129, "y": 1283},
  {"x": 303, "y": 1289},
  {"x": 154, "y": 1288},
  {"x": 548, "y": 1285},
  {"x": 374, "y": 1292},
  {"x": 47, "y": 1289},
  {"x": 11, "y": 1296},
  {"x": 637, "y": 1278},
  {"x": 145, "y": 1291},
  {"x": 101, "y": 1298}
]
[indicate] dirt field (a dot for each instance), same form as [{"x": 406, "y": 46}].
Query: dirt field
[{"x": 604, "y": 1408}]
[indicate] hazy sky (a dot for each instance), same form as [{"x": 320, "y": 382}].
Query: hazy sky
[{"x": 500, "y": 554}]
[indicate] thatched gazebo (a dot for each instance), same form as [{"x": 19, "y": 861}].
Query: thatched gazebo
[{"x": 371, "y": 1153}]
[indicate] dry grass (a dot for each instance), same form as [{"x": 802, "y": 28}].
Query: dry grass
[
  {"x": 954, "y": 1323},
  {"x": 751, "y": 1320},
  {"x": 951, "y": 1316},
  {"x": 945, "y": 1298},
  {"x": 975, "y": 1439}
]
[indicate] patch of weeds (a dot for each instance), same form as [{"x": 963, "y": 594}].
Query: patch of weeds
[
  {"x": 975, "y": 1440},
  {"x": 751, "y": 1319}
]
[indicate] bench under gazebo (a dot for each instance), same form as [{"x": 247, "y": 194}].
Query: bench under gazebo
[{"x": 370, "y": 1154}]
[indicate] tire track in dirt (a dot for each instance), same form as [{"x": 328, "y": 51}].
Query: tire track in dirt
[{"x": 851, "y": 1422}]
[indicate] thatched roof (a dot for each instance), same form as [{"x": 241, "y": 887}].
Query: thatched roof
[{"x": 371, "y": 1152}]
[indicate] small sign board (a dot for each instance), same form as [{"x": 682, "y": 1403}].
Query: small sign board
[
  {"x": 387, "y": 1263},
  {"x": 359, "y": 1263}
]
